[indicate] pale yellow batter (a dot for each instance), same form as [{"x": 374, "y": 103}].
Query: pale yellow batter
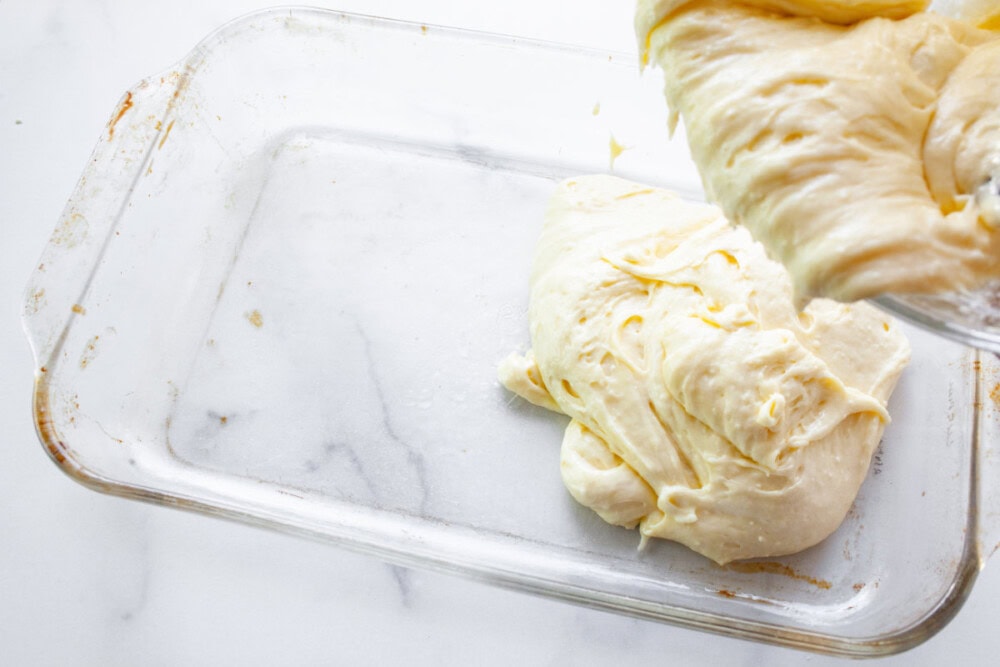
[
  {"x": 982, "y": 13},
  {"x": 704, "y": 407},
  {"x": 862, "y": 151}
]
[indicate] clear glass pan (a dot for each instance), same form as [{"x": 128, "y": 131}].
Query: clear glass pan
[{"x": 281, "y": 288}]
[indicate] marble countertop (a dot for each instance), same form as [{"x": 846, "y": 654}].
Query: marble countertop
[{"x": 93, "y": 580}]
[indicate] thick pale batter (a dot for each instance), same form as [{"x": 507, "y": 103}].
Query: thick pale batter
[
  {"x": 704, "y": 408},
  {"x": 859, "y": 140},
  {"x": 982, "y": 13}
]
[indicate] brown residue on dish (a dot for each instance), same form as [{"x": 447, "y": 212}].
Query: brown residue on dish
[
  {"x": 726, "y": 594},
  {"x": 71, "y": 230},
  {"x": 44, "y": 424},
  {"x": 255, "y": 318},
  {"x": 774, "y": 567},
  {"x": 36, "y": 300},
  {"x": 89, "y": 352},
  {"x": 858, "y": 586},
  {"x": 423, "y": 29},
  {"x": 995, "y": 394},
  {"x": 123, "y": 107},
  {"x": 223, "y": 419},
  {"x": 78, "y": 309},
  {"x": 166, "y": 133}
]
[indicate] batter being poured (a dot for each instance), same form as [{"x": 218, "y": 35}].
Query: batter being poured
[{"x": 859, "y": 141}]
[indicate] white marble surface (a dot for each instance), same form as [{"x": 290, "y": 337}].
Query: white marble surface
[{"x": 93, "y": 580}]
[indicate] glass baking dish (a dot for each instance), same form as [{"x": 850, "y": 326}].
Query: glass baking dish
[{"x": 282, "y": 286}]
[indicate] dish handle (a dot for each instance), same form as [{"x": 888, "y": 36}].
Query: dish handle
[
  {"x": 57, "y": 288},
  {"x": 987, "y": 452}
]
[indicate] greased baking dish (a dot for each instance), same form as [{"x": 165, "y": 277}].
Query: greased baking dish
[{"x": 281, "y": 288}]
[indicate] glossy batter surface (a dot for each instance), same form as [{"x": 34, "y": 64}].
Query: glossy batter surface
[
  {"x": 858, "y": 141},
  {"x": 704, "y": 407}
]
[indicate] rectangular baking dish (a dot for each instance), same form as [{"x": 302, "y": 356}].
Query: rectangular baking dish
[{"x": 282, "y": 286}]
